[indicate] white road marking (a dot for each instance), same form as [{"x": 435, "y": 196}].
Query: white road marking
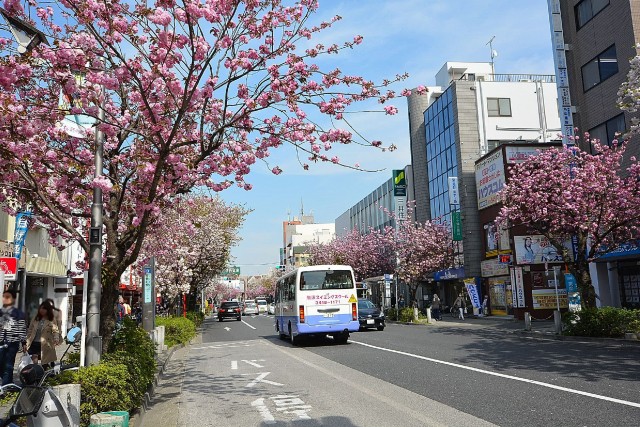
[
  {"x": 261, "y": 379},
  {"x": 253, "y": 362},
  {"x": 267, "y": 417},
  {"x": 248, "y": 324},
  {"x": 509, "y": 377},
  {"x": 234, "y": 364},
  {"x": 227, "y": 328}
]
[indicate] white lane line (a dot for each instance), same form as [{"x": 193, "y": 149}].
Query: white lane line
[
  {"x": 509, "y": 377},
  {"x": 248, "y": 325}
]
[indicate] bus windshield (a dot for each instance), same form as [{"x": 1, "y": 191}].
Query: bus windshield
[{"x": 325, "y": 279}]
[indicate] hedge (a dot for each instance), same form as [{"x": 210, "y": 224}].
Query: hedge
[
  {"x": 611, "y": 322},
  {"x": 177, "y": 330}
]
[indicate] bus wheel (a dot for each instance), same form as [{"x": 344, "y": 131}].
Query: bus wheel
[
  {"x": 281, "y": 335},
  {"x": 341, "y": 338},
  {"x": 293, "y": 339}
]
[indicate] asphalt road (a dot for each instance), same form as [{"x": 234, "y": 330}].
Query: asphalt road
[{"x": 471, "y": 373}]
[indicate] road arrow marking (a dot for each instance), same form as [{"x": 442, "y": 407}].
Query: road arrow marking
[
  {"x": 267, "y": 417},
  {"x": 227, "y": 328},
  {"x": 261, "y": 379}
]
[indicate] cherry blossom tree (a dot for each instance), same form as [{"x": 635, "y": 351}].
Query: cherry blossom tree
[
  {"x": 421, "y": 250},
  {"x": 369, "y": 254},
  {"x": 185, "y": 94},
  {"x": 192, "y": 239},
  {"x": 568, "y": 193}
]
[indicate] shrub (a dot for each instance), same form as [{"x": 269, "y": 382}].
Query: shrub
[
  {"x": 177, "y": 330},
  {"x": 197, "y": 317},
  {"x": 602, "y": 322}
]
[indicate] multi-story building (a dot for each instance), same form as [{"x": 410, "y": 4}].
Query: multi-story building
[
  {"x": 593, "y": 41},
  {"x": 298, "y": 234},
  {"x": 469, "y": 112},
  {"x": 370, "y": 211}
]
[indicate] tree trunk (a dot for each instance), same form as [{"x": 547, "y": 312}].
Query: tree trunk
[{"x": 110, "y": 290}]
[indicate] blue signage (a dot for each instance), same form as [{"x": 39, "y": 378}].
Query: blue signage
[
  {"x": 22, "y": 225},
  {"x": 623, "y": 250},
  {"x": 449, "y": 274},
  {"x": 570, "y": 282}
]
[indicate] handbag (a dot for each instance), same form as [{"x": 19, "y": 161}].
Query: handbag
[{"x": 24, "y": 361}]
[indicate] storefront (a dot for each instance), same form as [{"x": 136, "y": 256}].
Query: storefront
[
  {"x": 498, "y": 286},
  {"x": 450, "y": 283}
]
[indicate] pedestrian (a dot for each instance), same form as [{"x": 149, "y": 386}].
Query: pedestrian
[
  {"x": 401, "y": 301},
  {"x": 127, "y": 308},
  {"x": 14, "y": 335},
  {"x": 121, "y": 311},
  {"x": 461, "y": 305},
  {"x": 57, "y": 317},
  {"x": 43, "y": 336},
  {"x": 435, "y": 307}
]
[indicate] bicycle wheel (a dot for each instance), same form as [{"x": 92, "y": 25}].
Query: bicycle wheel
[{"x": 454, "y": 312}]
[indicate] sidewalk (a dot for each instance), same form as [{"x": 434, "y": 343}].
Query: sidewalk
[{"x": 542, "y": 329}]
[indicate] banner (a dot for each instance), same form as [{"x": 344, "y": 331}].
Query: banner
[
  {"x": 518, "y": 287},
  {"x": 545, "y": 299},
  {"x": 20, "y": 234},
  {"x": 472, "y": 290}
]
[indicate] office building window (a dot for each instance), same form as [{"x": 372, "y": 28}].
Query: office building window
[
  {"x": 599, "y": 68},
  {"x": 606, "y": 132},
  {"x": 587, "y": 9},
  {"x": 499, "y": 107}
]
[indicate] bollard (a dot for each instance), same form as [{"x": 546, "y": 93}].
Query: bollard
[
  {"x": 69, "y": 396},
  {"x": 557, "y": 320},
  {"x": 527, "y": 321},
  {"x": 428, "y": 314}
]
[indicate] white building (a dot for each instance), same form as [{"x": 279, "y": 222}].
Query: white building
[{"x": 298, "y": 234}]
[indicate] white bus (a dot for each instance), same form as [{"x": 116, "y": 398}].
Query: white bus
[{"x": 317, "y": 301}]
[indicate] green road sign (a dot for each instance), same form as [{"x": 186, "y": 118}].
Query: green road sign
[
  {"x": 456, "y": 226},
  {"x": 231, "y": 271}
]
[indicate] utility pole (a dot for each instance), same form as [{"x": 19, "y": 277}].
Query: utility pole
[{"x": 93, "y": 339}]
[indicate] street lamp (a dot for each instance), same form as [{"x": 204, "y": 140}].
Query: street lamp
[{"x": 28, "y": 37}]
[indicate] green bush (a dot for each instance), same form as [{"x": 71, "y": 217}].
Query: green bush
[
  {"x": 609, "y": 322},
  {"x": 197, "y": 317},
  {"x": 133, "y": 347},
  {"x": 177, "y": 330},
  {"x": 406, "y": 314}
]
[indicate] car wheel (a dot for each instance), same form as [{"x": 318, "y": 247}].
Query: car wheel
[
  {"x": 238, "y": 318},
  {"x": 381, "y": 328},
  {"x": 219, "y": 319}
]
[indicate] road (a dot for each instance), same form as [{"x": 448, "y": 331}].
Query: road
[{"x": 472, "y": 373}]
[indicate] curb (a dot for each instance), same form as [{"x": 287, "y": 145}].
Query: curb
[
  {"x": 553, "y": 336},
  {"x": 137, "y": 415}
]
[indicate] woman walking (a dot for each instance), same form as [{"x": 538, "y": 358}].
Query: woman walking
[
  {"x": 43, "y": 335},
  {"x": 435, "y": 307}
]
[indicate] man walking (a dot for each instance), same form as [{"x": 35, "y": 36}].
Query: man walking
[{"x": 14, "y": 335}]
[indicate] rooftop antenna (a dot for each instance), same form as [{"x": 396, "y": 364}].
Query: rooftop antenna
[
  {"x": 288, "y": 214},
  {"x": 494, "y": 53},
  {"x": 301, "y": 208}
]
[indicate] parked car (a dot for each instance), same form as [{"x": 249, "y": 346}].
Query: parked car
[
  {"x": 369, "y": 315},
  {"x": 262, "y": 305},
  {"x": 229, "y": 309},
  {"x": 272, "y": 308},
  {"x": 250, "y": 307}
]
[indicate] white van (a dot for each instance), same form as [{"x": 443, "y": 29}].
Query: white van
[{"x": 262, "y": 305}]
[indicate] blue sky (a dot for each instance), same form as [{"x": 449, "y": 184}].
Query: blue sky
[{"x": 414, "y": 36}]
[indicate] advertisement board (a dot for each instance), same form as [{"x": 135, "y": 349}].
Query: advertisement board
[
  {"x": 536, "y": 249},
  {"x": 545, "y": 299},
  {"x": 492, "y": 267},
  {"x": 9, "y": 265},
  {"x": 489, "y": 179}
]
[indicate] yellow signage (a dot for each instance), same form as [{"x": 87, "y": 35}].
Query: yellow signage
[{"x": 353, "y": 298}]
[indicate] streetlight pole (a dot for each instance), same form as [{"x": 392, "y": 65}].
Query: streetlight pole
[{"x": 94, "y": 340}]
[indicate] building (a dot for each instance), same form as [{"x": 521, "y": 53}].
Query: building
[
  {"x": 297, "y": 234},
  {"x": 369, "y": 212},
  {"x": 593, "y": 41},
  {"x": 469, "y": 112}
]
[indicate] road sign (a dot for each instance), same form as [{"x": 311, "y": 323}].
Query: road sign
[{"x": 231, "y": 271}]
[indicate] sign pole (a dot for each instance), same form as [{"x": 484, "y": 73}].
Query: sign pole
[
  {"x": 148, "y": 301},
  {"x": 556, "y": 314}
]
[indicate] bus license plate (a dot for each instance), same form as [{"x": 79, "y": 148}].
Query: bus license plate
[{"x": 328, "y": 315}]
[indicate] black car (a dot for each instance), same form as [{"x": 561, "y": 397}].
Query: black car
[
  {"x": 369, "y": 315},
  {"x": 229, "y": 309}
]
